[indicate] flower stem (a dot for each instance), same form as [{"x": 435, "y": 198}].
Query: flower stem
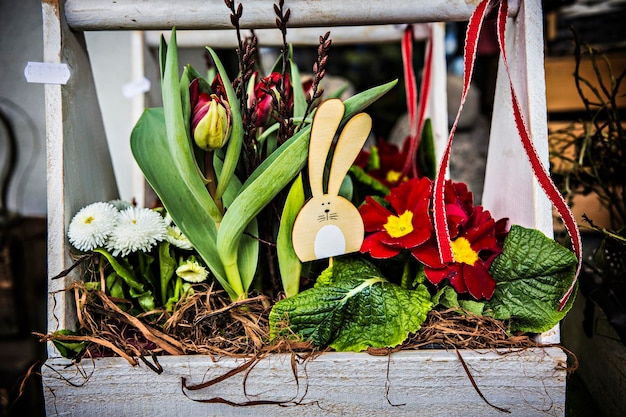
[{"x": 209, "y": 174}]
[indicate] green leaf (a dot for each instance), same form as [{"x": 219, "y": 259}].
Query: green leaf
[
  {"x": 364, "y": 178},
  {"x": 114, "y": 285},
  {"x": 124, "y": 271},
  {"x": 426, "y": 151},
  {"x": 299, "y": 97},
  {"x": 288, "y": 262},
  {"x": 167, "y": 268},
  {"x": 185, "y": 100},
  {"x": 449, "y": 298},
  {"x": 69, "y": 350},
  {"x": 355, "y": 309},
  {"x": 532, "y": 274},
  {"x": 236, "y": 134},
  {"x": 248, "y": 253}
]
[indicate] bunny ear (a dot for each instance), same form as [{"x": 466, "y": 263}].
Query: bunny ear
[
  {"x": 325, "y": 124},
  {"x": 349, "y": 145}
]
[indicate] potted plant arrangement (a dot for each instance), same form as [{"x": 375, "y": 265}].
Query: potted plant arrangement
[{"x": 270, "y": 269}]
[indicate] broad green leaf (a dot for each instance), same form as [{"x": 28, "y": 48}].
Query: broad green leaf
[
  {"x": 532, "y": 274},
  {"x": 236, "y": 133},
  {"x": 355, "y": 309},
  {"x": 288, "y": 263},
  {"x": 248, "y": 253}
]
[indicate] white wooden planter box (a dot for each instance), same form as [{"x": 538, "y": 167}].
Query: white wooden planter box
[{"x": 425, "y": 382}]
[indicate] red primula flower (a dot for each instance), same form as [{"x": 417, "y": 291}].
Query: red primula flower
[
  {"x": 475, "y": 246},
  {"x": 390, "y": 160},
  {"x": 405, "y": 225}
]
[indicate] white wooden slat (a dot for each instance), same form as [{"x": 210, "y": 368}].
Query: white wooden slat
[
  {"x": 510, "y": 188},
  {"x": 296, "y": 36},
  {"x": 419, "y": 383},
  {"x": 213, "y": 14},
  {"x": 79, "y": 166}
]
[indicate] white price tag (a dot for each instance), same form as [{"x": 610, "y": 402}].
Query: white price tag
[
  {"x": 45, "y": 73},
  {"x": 134, "y": 88}
]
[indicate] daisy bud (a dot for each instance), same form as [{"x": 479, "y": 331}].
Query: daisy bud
[{"x": 192, "y": 271}]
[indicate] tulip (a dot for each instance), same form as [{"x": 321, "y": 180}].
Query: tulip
[
  {"x": 211, "y": 117},
  {"x": 211, "y": 120},
  {"x": 263, "y": 91}
]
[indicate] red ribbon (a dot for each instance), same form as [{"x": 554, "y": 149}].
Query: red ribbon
[
  {"x": 540, "y": 172},
  {"x": 416, "y": 116}
]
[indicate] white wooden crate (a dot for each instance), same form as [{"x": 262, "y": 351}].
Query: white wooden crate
[{"x": 430, "y": 382}]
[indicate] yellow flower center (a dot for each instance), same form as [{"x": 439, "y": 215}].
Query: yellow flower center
[
  {"x": 463, "y": 251},
  {"x": 398, "y": 226},
  {"x": 89, "y": 219},
  {"x": 392, "y": 176}
]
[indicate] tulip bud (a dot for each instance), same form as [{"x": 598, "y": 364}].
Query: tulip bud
[
  {"x": 264, "y": 92},
  {"x": 211, "y": 121}
]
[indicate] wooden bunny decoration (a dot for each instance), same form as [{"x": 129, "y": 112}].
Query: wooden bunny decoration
[{"x": 328, "y": 224}]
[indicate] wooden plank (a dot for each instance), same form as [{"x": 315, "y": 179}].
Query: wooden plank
[
  {"x": 213, "y": 14},
  {"x": 79, "y": 165},
  {"x": 409, "y": 383},
  {"x": 510, "y": 188},
  {"x": 309, "y": 36}
]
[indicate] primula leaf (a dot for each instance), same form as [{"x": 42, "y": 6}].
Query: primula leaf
[
  {"x": 532, "y": 274},
  {"x": 449, "y": 298},
  {"x": 354, "y": 309}
]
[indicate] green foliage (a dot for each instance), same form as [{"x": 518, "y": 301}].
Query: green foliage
[
  {"x": 532, "y": 274},
  {"x": 352, "y": 307}
]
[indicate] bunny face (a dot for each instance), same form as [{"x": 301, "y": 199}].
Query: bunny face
[
  {"x": 334, "y": 227},
  {"x": 328, "y": 224}
]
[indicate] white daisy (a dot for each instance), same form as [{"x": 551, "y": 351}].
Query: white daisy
[
  {"x": 175, "y": 236},
  {"x": 92, "y": 225},
  {"x": 192, "y": 271},
  {"x": 137, "y": 229}
]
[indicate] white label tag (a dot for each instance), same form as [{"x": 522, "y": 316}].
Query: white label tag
[
  {"x": 45, "y": 73},
  {"x": 134, "y": 88}
]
